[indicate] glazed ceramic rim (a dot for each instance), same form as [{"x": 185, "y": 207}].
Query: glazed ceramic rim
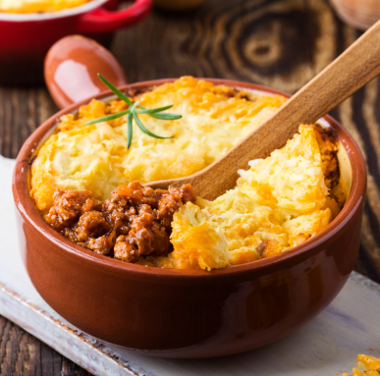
[
  {"x": 23, "y": 17},
  {"x": 292, "y": 256}
]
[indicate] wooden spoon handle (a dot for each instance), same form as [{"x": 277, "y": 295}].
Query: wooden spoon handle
[{"x": 359, "y": 64}]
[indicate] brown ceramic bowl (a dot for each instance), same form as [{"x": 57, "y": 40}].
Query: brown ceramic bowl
[{"x": 190, "y": 313}]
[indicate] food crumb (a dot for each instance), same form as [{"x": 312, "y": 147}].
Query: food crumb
[{"x": 369, "y": 364}]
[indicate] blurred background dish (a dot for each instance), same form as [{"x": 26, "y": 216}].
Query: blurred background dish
[
  {"x": 26, "y": 38},
  {"x": 360, "y": 14}
]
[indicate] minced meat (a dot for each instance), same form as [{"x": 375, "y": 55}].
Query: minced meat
[{"x": 134, "y": 222}]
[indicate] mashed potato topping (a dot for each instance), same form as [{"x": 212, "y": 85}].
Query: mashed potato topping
[
  {"x": 38, "y": 6},
  {"x": 96, "y": 157}
]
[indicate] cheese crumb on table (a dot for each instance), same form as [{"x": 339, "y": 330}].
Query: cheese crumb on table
[{"x": 370, "y": 366}]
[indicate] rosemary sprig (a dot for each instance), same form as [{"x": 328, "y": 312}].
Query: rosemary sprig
[
  {"x": 132, "y": 114},
  {"x": 130, "y": 130}
]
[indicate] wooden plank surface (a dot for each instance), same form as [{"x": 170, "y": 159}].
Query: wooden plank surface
[{"x": 279, "y": 43}]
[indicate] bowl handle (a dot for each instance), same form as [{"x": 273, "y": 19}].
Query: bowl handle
[{"x": 102, "y": 20}]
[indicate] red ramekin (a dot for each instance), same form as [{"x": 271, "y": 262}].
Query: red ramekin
[{"x": 26, "y": 38}]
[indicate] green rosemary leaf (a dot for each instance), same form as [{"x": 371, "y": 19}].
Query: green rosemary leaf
[
  {"x": 148, "y": 132},
  {"x": 116, "y": 91},
  {"x": 130, "y": 130},
  {"x": 132, "y": 114},
  {"x": 109, "y": 117},
  {"x": 166, "y": 116},
  {"x": 153, "y": 110}
]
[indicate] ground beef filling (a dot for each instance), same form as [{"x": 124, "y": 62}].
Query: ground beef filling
[{"x": 134, "y": 222}]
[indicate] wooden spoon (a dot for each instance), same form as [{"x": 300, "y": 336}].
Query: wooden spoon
[{"x": 359, "y": 64}]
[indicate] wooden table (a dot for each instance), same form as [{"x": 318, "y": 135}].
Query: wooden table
[{"x": 278, "y": 43}]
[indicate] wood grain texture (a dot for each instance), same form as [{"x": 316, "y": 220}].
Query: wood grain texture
[
  {"x": 23, "y": 354},
  {"x": 278, "y": 43}
]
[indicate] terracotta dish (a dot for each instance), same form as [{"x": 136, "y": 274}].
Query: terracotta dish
[{"x": 190, "y": 313}]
